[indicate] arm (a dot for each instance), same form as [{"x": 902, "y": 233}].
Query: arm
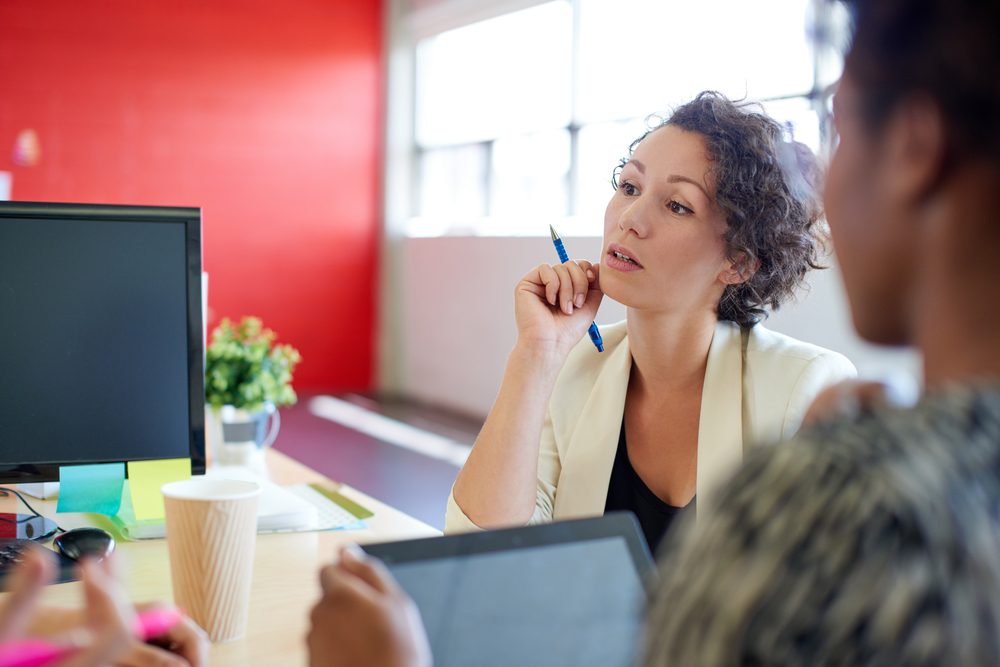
[{"x": 553, "y": 306}]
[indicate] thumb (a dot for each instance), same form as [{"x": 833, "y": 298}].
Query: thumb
[
  {"x": 109, "y": 615},
  {"x": 368, "y": 569},
  {"x": 594, "y": 293}
]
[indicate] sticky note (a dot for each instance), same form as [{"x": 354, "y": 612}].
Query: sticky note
[
  {"x": 91, "y": 488},
  {"x": 145, "y": 480}
]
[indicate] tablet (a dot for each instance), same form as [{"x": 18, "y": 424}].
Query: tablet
[{"x": 565, "y": 593}]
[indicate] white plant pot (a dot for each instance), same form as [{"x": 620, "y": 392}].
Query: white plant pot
[{"x": 238, "y": 437}]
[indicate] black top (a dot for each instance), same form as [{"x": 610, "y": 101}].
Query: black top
[{"x": 627, "y": 491}]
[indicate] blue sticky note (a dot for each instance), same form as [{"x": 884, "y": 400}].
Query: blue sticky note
[{"x": 91, "y": 488}]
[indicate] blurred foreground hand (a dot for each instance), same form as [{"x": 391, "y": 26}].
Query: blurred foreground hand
[
  {"x": 103, "y": 628},
  {"x": 104, "y": 633},
  {"x": 364, "y": 618},
  {"x": 847, "y": 400}
]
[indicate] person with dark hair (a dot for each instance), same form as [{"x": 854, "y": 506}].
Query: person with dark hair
[
  {"x": 873, "y": 538},
  {"x": 713, "y": 221}
]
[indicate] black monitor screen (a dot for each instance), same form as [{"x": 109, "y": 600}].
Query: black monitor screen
[{"x": 95, "y": 333}]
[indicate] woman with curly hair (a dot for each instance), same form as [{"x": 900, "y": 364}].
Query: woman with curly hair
[{"x": 712, "y": 222}]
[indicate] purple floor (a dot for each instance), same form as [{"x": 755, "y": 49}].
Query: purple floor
[{"x": 411, "y": 482}]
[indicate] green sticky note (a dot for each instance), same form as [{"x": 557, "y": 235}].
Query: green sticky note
[
  {"x": 91, "y": 488},
  {"x": 145, "y": 480}
]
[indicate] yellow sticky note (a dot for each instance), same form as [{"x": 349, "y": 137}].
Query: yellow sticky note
[{"x": 145, "y": 480}]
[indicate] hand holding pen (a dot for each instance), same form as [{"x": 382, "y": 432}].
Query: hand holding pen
[
  {"x": 593, "y": 332},
  {"x": 553, "y": 306}
]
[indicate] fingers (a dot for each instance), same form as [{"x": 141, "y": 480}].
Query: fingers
[
  {"x": 140, "y": 654},
  {"x": 566, "y": 285},
  {"x": 364, "y": 618},
  {"x": 183, "y": 644},
  {"x": 25, "y": 585},
  {"x": 550, "y": 280},
  {"x": 189, "y": 641},
  {"x": 109, "y": 616},
  {"x": 850, "y": 398},
  {"x": 575, "y": 291},
  {"x": 339, "y": 584},
  {"x": 108, "y": 605},
  {"x": 358, "y": 575},
  {"x": 370, "y": 570}
]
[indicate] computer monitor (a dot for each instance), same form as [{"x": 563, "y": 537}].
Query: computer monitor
[{"x": 101, "y": 339}]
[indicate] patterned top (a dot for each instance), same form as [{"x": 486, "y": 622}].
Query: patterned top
[{"x": 873, "y": 542}]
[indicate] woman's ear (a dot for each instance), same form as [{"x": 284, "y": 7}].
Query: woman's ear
[
  {"x": 739, "y": 269},
  {"x": 915, "y": 145}
]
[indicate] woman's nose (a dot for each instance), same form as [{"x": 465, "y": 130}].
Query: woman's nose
[{"x": 635, "y": 217}]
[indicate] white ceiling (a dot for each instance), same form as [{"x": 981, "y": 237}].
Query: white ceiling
[{"x": 429, "y": 17}]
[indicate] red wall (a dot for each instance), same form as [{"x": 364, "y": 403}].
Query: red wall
[{"x": 266, "y": 114}]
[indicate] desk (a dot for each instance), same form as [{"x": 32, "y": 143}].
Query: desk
[{"x": 285, "y": 584}]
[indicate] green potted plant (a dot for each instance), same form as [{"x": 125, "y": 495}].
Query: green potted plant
[{"x": 247, "y": 376}]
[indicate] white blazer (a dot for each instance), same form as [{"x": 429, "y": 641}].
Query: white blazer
[{"x": 758, "y": 386}]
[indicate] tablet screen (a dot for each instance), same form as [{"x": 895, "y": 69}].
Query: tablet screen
[{"x": 575, "y": 603}]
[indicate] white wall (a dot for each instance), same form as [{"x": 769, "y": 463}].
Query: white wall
[
  {"x": 457, "y": 298},
  {"x": 458, "y": 312}
]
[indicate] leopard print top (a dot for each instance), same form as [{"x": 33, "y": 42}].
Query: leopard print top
[{"x": 874, "y": 542}]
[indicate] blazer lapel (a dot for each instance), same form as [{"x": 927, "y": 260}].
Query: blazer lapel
[
  {"x": 590, "y": 454},
  {"x": 720, "y": 427}
]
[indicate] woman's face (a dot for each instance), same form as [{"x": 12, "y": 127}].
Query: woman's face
[{"x": 663, "y": 248}]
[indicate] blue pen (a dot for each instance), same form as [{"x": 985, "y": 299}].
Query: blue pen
[{"x": 595, "y": 335}]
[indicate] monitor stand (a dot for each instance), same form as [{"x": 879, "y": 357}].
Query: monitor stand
[{"x": 43, "y": 490}]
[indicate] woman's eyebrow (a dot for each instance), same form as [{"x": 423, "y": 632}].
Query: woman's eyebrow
[
  {"x": 673, "y": 178},
  {"x": 677, "y": 178}
]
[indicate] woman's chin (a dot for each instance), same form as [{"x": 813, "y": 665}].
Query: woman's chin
[{"x": 615, "y": 288}]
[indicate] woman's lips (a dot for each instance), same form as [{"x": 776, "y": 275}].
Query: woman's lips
[{"x": 621, "y": 258}]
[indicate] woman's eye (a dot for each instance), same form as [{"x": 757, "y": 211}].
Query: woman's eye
[
  {"x": 678, "y": 208},
  {"x": 629, "y": 189}
]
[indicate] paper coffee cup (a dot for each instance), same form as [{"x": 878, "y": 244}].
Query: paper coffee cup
[{"x": 211, "y": 534}]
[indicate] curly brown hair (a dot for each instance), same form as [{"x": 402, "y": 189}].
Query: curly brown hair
[{"x": 769, "y": 189}]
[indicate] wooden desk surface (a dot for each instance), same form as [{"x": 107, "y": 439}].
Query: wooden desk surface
[{"x": 285, "y": 584}]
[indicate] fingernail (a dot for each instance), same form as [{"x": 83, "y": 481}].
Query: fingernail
[
  {"x": 590, "y": 274},
  {"x": 579, "y": 300},
  {"x": 352, "y": 550},
  {"x": 569, "y": 308}
]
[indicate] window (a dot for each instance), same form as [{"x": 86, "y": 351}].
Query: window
[{"x": 520, "y": 119}]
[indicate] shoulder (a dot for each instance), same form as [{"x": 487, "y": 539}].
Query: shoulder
[
  {"x": 960, "y": 425},
  {"x": 770, "y": 348},
  {"x": 763, "y": 341},
  {"x": 782, "y": 378}
]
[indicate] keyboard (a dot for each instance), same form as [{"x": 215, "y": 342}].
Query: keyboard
[{"x": 10, "y": 555}]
